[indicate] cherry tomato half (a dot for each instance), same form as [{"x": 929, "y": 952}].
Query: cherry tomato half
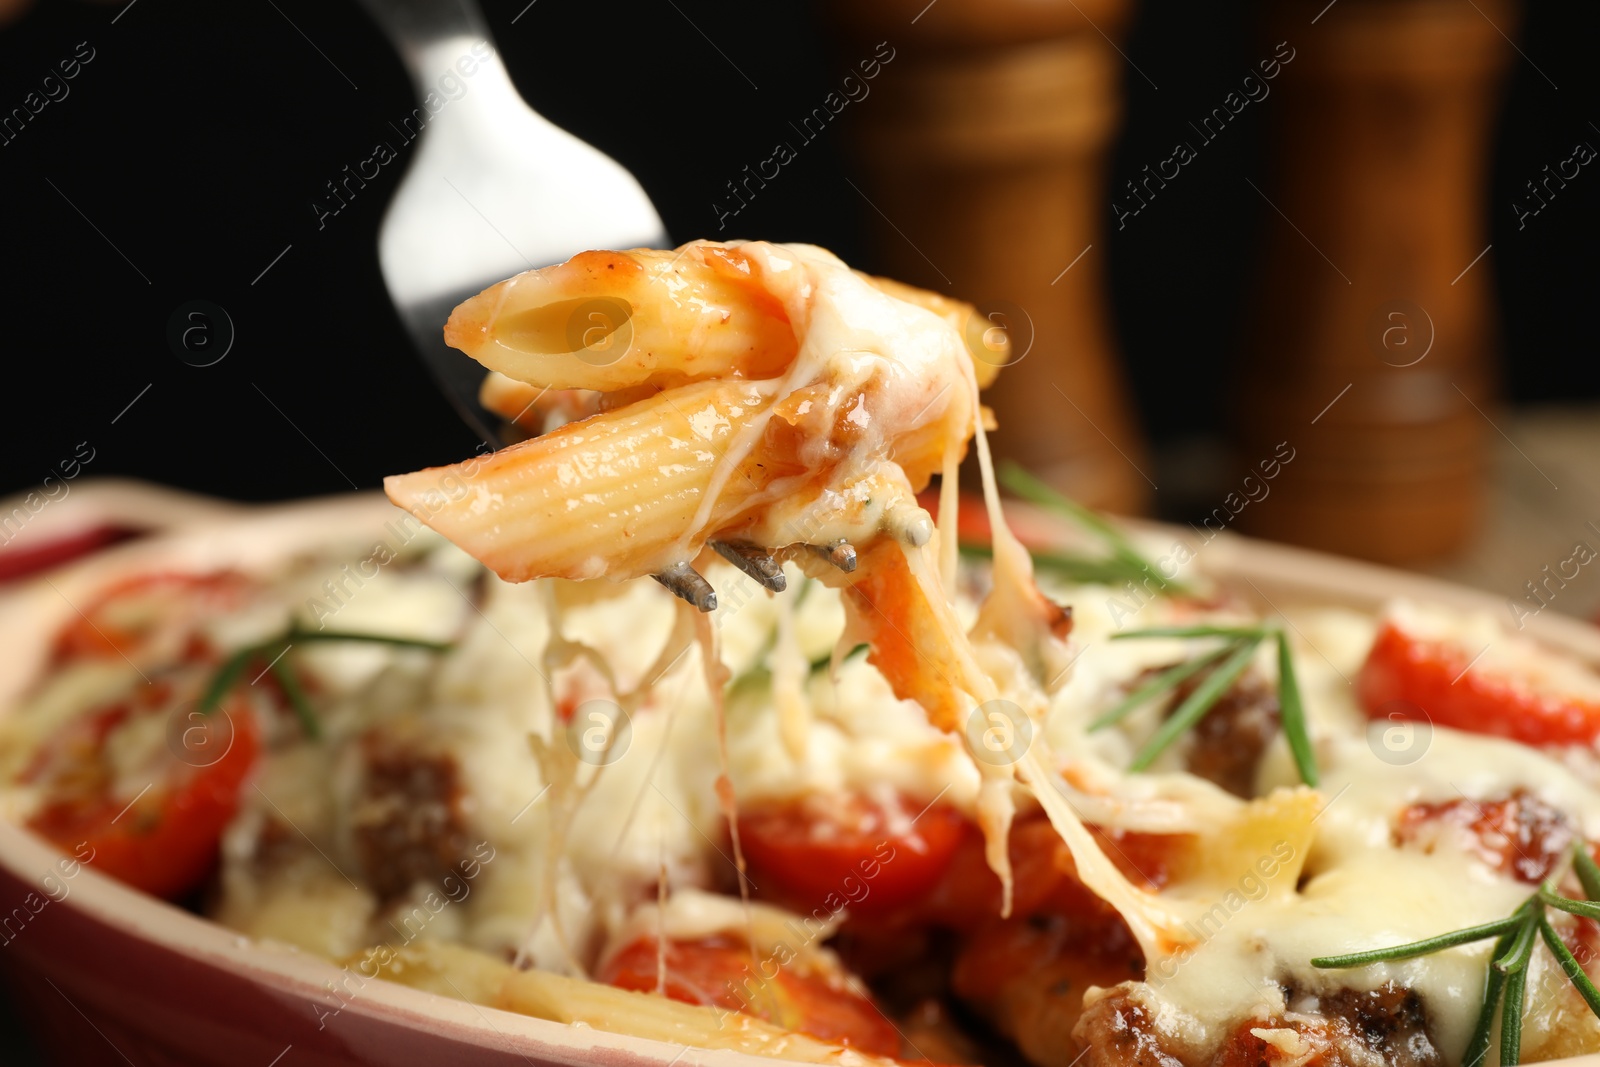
[
  {"x": 721, "y": 973},
  {"x": 166, "y": 839},
  {"x": 1408, "y": 676},
  {"x": 827, "y": 853},
  {"x": 126, "y": 616}
]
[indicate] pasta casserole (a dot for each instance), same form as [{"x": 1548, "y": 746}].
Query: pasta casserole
[{"x": 863, "y": 775}]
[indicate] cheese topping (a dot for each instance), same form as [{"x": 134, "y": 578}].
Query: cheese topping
[{"x": 581, "y": 744}]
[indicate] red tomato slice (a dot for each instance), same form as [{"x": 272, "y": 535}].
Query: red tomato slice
[
  {"x": 167, "y": 839},
  {"x": 721, "y": 973},
  {"x": 1408, "y": 676},
  {"x": 127, "y": 614},
  {"x": 826, "y": 853},
  {"x": 1044, "y": 877},
  {"x": 1519, "y": 835}
]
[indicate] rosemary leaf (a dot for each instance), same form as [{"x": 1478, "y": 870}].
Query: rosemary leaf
[
  {"x": 1516, "y": 957},
  {"x": 296, "y": 635},
  {"x": 1025, "y": 485},
  {"x": 1493, "y": 986},
  {"x": 1587, "y": 908},
  {"x": 1507, "y": 927},
  {"x": 1202, "y": 630},
  {"x": 1017, "y": 479},
  {"x": 1194, "y": 708},
  {"x": 1168, "y": 679},
  {"x": 1511, "y": 1012},
  {"x": 1570, "y": 966},
  {"x": 1588, "y": 873},
  {"x": 297, "y": 699},
  {"x": 1292, "y": 713},
  {"x": 822, "y": 663},
  {"x": 1079, "y": 569},
  {"x": 226, "y": 677},
  {"x": 1083, "y": 570}
]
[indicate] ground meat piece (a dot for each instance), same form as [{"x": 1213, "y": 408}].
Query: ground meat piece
[
  {"x": 407, "y": 821},
  {"x": 932, "y": 1031},
  {"x": 1226, "y": 745},
  {"x": 1117, "y": 1031},
  {"x": 1389, "y": 1020},
  {"x": 1346, "y": 1028},
  {"x": 1028, "y": 977},
  {"x": 1521, "y": 835},
  {"x": 276, "y": 845}
]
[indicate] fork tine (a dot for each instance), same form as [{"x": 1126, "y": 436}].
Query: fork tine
[
  {"x": 690, "y": 584},
  {"x": 841, "y": 554},
  {"x": 754, "y": 561}
]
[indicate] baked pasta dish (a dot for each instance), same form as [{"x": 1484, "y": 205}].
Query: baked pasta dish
[{"x": 862, "y": 775}]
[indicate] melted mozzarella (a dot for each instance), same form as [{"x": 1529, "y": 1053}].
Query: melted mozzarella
[
  {"x": 1361, "y": 889},
  {"x": 581, "y": 851}
]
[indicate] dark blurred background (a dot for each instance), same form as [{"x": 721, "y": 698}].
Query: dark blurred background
[
  {"x": 197, "y": 138},
  {"x": 183, "y": 163}
]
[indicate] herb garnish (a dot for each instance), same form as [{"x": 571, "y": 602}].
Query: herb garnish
[
  {"x": 233, "y": 667},
  {"x": 1506, "y": 979},
  {"x": 1235, "y": 654},
  {"x": 1125, "y": 563}
]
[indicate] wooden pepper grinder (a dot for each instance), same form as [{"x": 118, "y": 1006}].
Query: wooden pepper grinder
[
  {"x": 983, "y": 153},
  {"x": 1372, "y": 325}
]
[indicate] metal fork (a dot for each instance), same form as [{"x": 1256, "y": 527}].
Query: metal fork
[{"x": 493, "y": 189}]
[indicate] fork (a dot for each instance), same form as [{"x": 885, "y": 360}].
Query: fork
[{"x": 493, "y": 189}]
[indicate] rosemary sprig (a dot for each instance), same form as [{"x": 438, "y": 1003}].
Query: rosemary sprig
[
  {"x": 1505, "y": 979},
  {"x": 297, "y": 699},
  {"x": 1493, "y": 986},
  {"x": 1588, "y": 873},
  {"x": 1202, "y": 630},
  {"x": 1126, "y": 562},
  {"x": 1080, "y": 570},
  {"x": 822, "y": 663},
  {"x": 1170, "y": 678},
  {"x": 1514, "y": 965},
  {"x": 1427, "y": 946},
  {"x": 1292, "y": 714},
  {"x": 1239, "y": 647},
  {"x": 275, "y": 650},
  {"x": 1194, "y": 707},
  {"x": 1570, "y": 965},
  {"x": 1587, "y": 908}
]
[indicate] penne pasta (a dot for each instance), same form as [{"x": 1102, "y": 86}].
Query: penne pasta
[
  {"x": 990, "y": 348},
  {"x": 617, "y": 320},
  {"x": 535, "y": 409},
  {"x": 826, "y": 402},
  {"x": 452, "y": 971},
  {"x": 611, "y": 493}
]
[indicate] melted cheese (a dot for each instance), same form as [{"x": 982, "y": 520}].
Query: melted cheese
[
  {"x": 584, "y": 854},
  {"x": 1361, "y": 890}
]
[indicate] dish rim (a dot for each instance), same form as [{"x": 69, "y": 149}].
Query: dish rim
[{"x": 195, "y": 531}]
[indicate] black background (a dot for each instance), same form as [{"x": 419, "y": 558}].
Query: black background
[{"x": 199, "y": 135}]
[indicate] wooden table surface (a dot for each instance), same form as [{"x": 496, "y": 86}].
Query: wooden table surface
[{"x": 1544, "y": 503}]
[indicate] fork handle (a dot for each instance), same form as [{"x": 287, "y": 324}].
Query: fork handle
[{"x": 418, "y": 29}]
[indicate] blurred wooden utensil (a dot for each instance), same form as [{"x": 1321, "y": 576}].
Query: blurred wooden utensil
[
  {"x": 983, "y": 150},
  {"x": 1373, "y": 321}
]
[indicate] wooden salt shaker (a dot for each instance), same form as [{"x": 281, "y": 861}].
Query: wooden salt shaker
[
  {"x": 983, "y": 152},
  {"x": 1373, "y": 322}
]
